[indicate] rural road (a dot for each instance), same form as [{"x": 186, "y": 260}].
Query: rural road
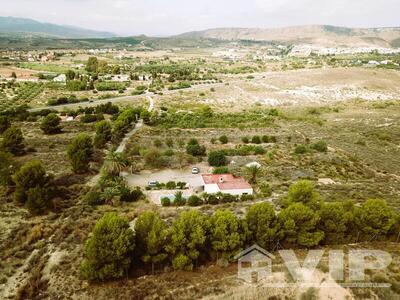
[{"x": 138, "y": 125}]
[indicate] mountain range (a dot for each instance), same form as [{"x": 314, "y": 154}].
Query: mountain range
[
  {"x": 323, "y": 35},
  {"x": 29, "y": 27}
]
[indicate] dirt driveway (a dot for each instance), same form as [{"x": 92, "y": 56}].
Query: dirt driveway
[{"x": 183, "y": 175}]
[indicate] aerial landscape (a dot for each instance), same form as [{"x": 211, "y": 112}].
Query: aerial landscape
[{"x": 214, "y": 151}]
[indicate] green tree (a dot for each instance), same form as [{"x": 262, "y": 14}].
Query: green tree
[
  {"x": 223, "y": 139},
  {"x": 375, "y": 217},
  {"x": 193, "y": 148},
  {"x": 187, "y": 239},
  {"x": 13, "y": 141},
  {"x": 14, "y": 75},
  {"x": 32, "y": 187},
  {"x": 108, "y": 251},
  {"x": 225, "y": 233},
  {"x": 263, "y": 225},
  {"x": 303, "y": 191},
  {"x": 4, "y": 124},
  {"x": 103, "y": 134},
  {"x": 51, "y": 124},
  {"x": 151, "y": 238},
  {"x": 299, "y": 223},
  {"x": 80, "y": 152},
  {"x": 217, "y": 159},
  {"x": 70, "y": 75},
  {"x": 334, "y": 222},
  {"x": 92, "y": 65}
]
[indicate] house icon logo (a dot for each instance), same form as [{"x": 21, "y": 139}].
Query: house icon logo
[{"x": 254, "y": 264}]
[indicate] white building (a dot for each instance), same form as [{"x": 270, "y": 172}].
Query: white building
[{"x": 226, "y": 184}]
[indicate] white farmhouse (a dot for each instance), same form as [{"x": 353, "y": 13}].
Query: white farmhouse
[{"x": 226, "y": 184}]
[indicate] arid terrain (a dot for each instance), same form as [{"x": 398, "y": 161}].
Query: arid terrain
[{"x": 119, "y": 130}]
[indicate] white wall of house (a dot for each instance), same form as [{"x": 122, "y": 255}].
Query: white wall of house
[
  {"x": 238, "y": 192},
  {"x": 211, "y": 188}
]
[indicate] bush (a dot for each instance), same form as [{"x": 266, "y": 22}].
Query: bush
[
  {"x": 80, "y": 152},
  {"x": 179, "y": 200},
  {"x": 171, "y": 185},
  {"x": 245, "y": 140},
  {"x": 165, "y": 201},
  {"x": 89, "y": 118},
  {"x": 265, "y": 139},
  {"x": 223, "y": 139},
  {"x": 301, "y": 149},
  {"x": 108, "y": 251},
  {"x": 51, "y": 124},
  {"x": 320, "y": 146},
  {"x": 221, "y": 170},
  {"x": 13, "y": 141},
  {"x": 265, "y": 189},
  {"x": 4, "y": 123},
  {"x": 194, "y": 201},
  {"x": 258, "y": 150},
  {"x": 217, "y": 159},
  {"x": 193, "y": 148},
  {"x": 94, "y": 198},
  {"x": 256, "y": 139}
]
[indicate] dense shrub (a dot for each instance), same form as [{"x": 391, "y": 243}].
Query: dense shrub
[
  {"x": 320, "y": 146},
  {"x": 256, "y": 139},
  {"x": 13, "y": 141},
  {"x": 193, "y": 148},
  {"x": 165, "y": 201},
  {"x": 4, "y": 123},
  {"x": 223, "y": 139},
  {"x": 217, "y": 159},
  {"x": 301, "y": 149},
  {"x": 110, "y": 86},
  {"x": 51, "y": 124},
  {"x": 108, "y": 251},
  {"x": 194, "y": 201},
  {"x": 245, "y": 140},
  {"x": 221, "y": 170}
]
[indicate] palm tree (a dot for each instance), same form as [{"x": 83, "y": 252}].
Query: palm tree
[
  {"x": 115, "y": 163},
  {"x": 253, "y": 171}
]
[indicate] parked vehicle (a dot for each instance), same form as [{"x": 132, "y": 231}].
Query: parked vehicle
[
  {"x": 195, "y": 170},
  {"x": 153, "y": 183}
]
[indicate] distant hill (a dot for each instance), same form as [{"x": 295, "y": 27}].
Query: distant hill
[
  {"x": 323, "y": 35},
  {"x": 28, "y": 27}
]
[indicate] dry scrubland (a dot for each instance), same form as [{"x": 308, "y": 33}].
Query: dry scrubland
[{"x": 355, "y": 110}]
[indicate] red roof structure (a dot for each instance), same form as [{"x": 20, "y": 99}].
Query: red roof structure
[{"x": 226, "y": 181}]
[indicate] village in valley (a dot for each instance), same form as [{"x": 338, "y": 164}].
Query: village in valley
[{"x": 142, "y": 168}]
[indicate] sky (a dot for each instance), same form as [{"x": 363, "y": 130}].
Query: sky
[{"x": 168, "y": 17}]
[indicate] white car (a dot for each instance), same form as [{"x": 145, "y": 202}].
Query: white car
[
  {"x": 195, "y": 170},
  {"x": 153, "y": 183}
]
